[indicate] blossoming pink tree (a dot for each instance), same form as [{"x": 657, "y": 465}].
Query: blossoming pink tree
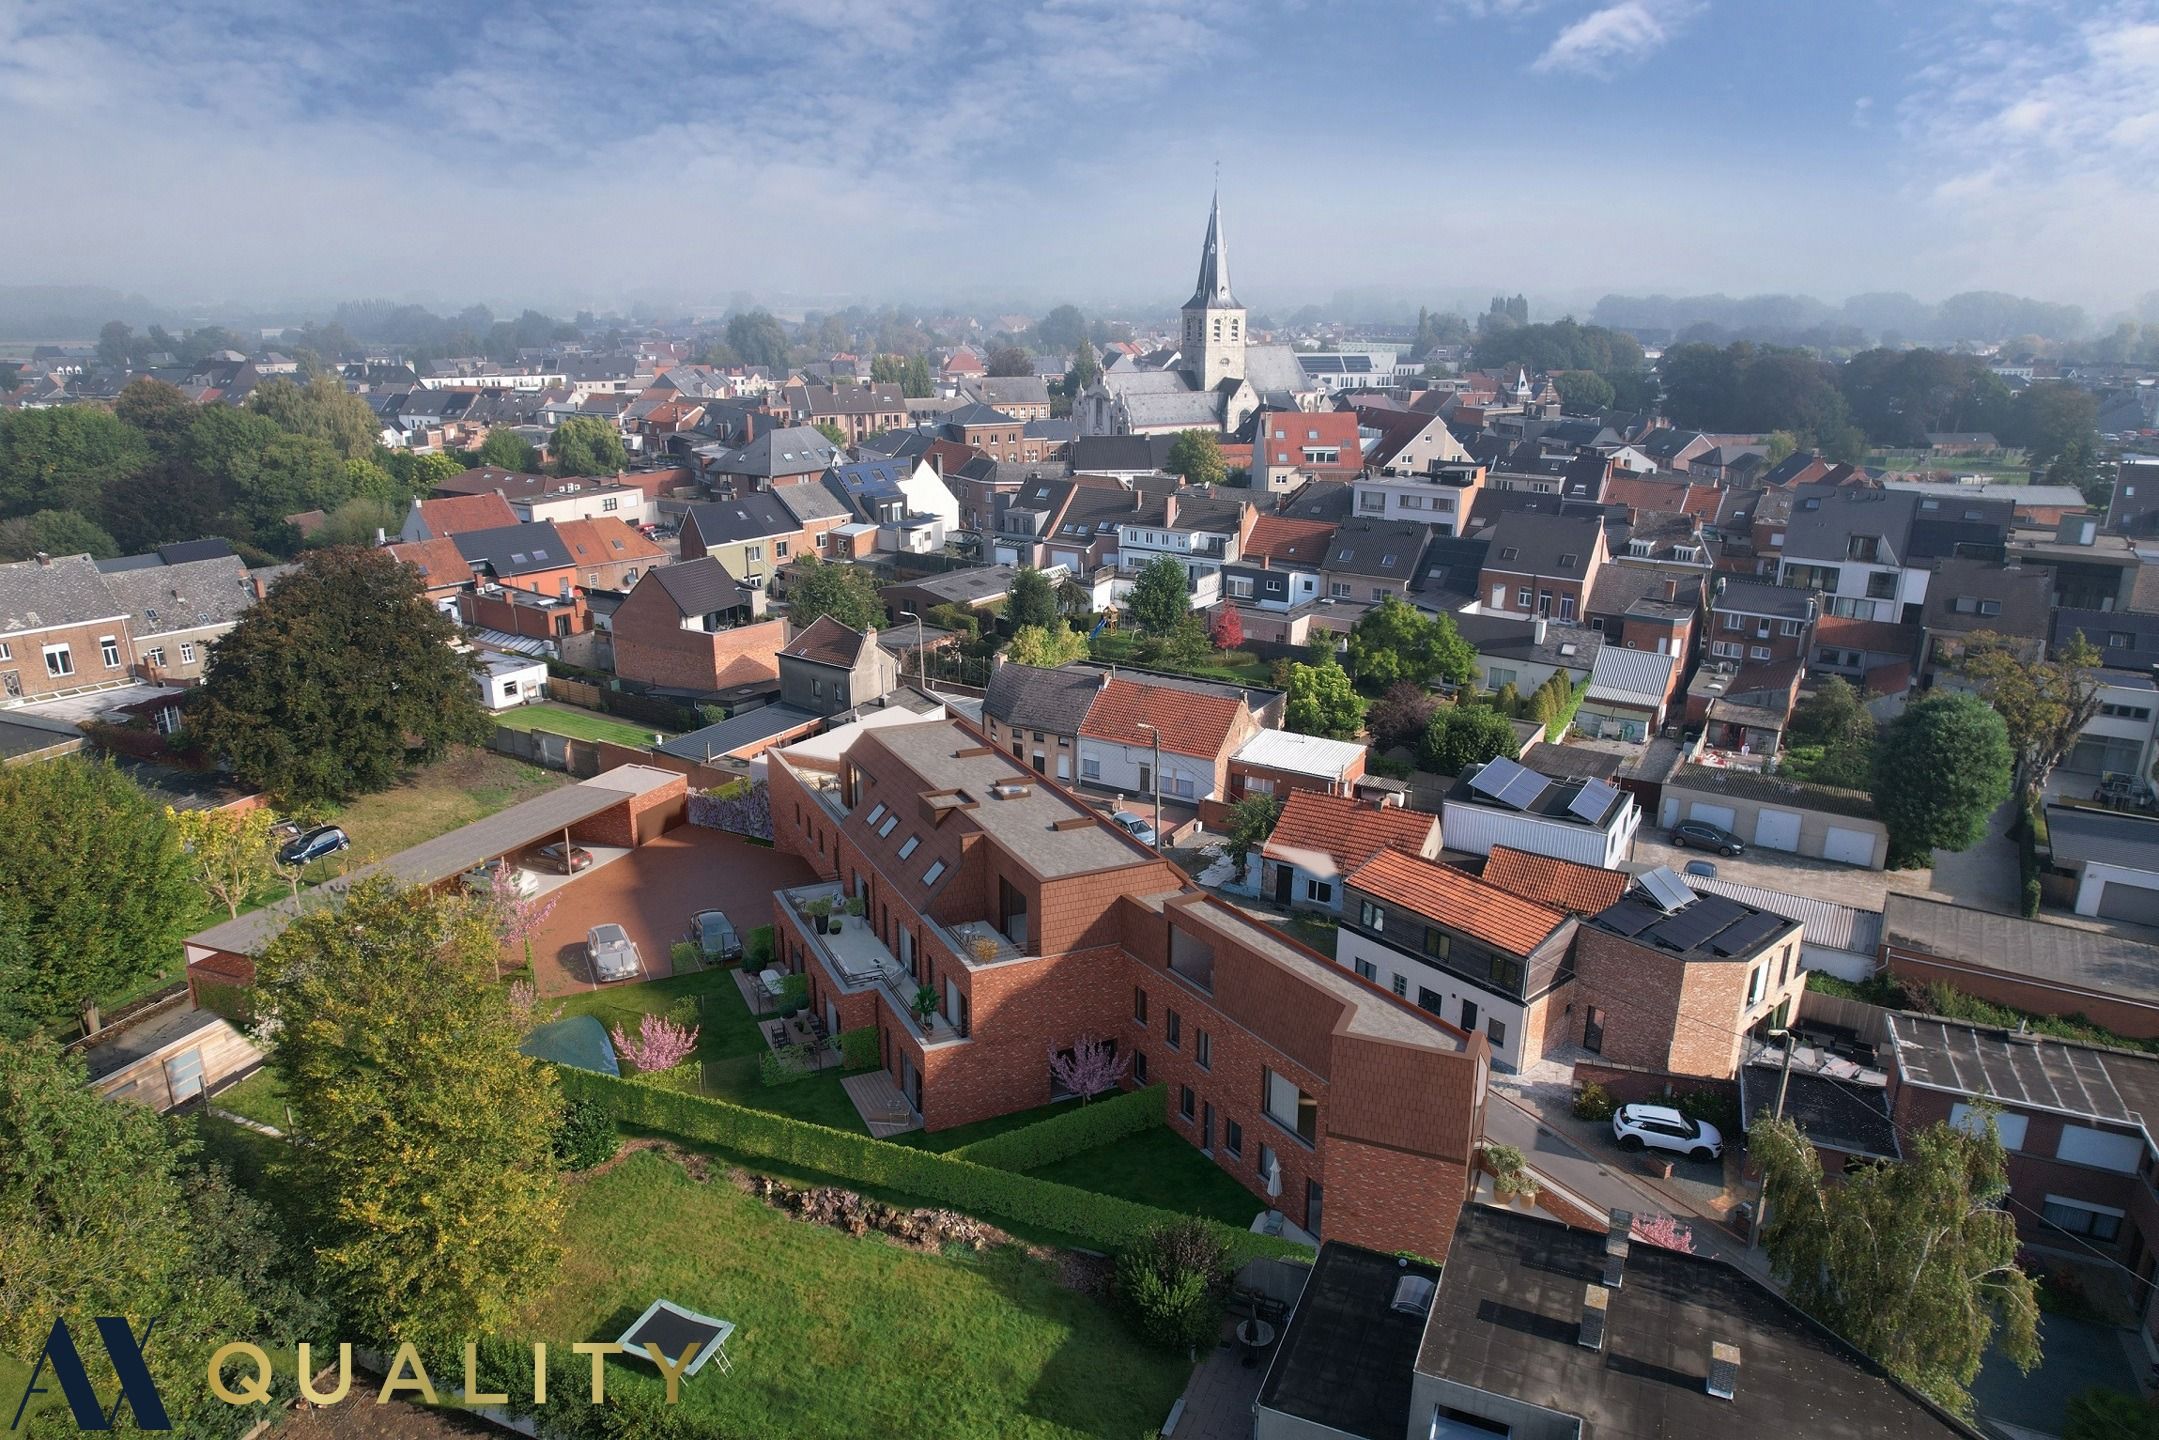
[
  {"x": 517, "y": 919},
  {"x": 661, "y": 1044},
  {"x": 1091, "y": 1066}
]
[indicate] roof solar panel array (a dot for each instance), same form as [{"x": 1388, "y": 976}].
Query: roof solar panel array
[{"x": 1667, "y": 890}]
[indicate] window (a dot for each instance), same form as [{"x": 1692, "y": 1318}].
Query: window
[
  {"x": 1185, "y": 1102},
  {"x": 753, "y": 552},
  {"x": 1757, "y": 984},
  {"x": 1438, "y": 944},
  {"x": 1139, "y": 1004},
  {"x": 2079, "y": 1217},
  {"x": 1366, "y": 970},
  {"x": 1173, "y": 1029},
  {"x": 156, "y": 656},
  {"x": 609, "y": 504},
  {"x": 1139, "y": 1067},
  {"x": 1734, "y": 623},
  {"x": 59, "y": 661},
  {"x": 779, "y": 550},
  {"x": 1338, "y": 589},
  {"x": 935, "y": 873},
  {"x": 2009, "y": 1128},
  {"x": 1401, "y": 986},
  {"x": 1759, "y": 652},
  {"x": 1202, "y": 1049},
  {"x": 1090, "y": 768},
  {"x": 1496, "y": 676},
  {"x": 2101, "y": 1149},
  {"x": 1495, "y": 1030},
  {"x": 108, "y": 647},
  {"x": 1372, "y": 917},
  {"x": 1789, "y": 627},
  {"x": 876, "y": 814},
  {"x": 886, "y": 829},
  {"x": 1233, "y": 1139},
  {"x": 1566, "y": 607},
  {"x": 1319, "y": 890},
  {"x": 1882, "y": 585},
  {"x": 7, "y": 651},
  {"x": 1290, "y": 1107},
  {"x": 908, "y": 848},
  {"x": 1523, "y": 596}
]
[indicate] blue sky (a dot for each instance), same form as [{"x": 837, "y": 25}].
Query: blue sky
[{"x": 827, "y": 150}]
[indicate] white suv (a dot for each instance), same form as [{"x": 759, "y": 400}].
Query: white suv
[{"x": 1660, "y": 1127}]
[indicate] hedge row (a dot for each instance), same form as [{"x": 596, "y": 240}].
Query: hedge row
[
  {"x": 1076, "y": 1128},
  {"x": 1101, "y": 1220},
  {"x": 858, "y": 1048}
]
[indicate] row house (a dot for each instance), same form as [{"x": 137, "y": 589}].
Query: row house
[
  {"x": 1668, "y": 542},
  {"x": 1034, "y": 925},
  {"x": 177, "y": 612},
  {"x": 1440, "y": 497},
  {"x": 1280, "y": 566},
  {"x": 608, "y": 554},
  {"x": 1541, "y": 564},
  {"x": 857, "y": 411},
  {"x": 754, "y": 537},
  {"x": 914, "y": 511},
  {"x": 1023, "y": 397},
  {"x": 1853, "y": 545},
  {"x": 1200, "y": 527},
  {"x": 2012, "y": 603},
  {"x": 1370, "y": 560},
  {"x": 531, "y": 557},
  {"x": 1750, "y": 622},
  {"x": 1320, "y": 839},
  {"x": 1410, "y": 442},
  {"x": 61, "y": 630},
  {"x": 995, "y": 434},
  {"x": 1290, "y": 447},
  {"x": 440, "y": 518},
  {"x": 1085, "y": 723},
  {"x": 773, "y": 456},
  {"x": 540, "y": 498}
]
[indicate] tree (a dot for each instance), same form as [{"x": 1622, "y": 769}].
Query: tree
[
  {"x": 62, "y": 458},
  {"x": 1582, "y": 392},
  {"x": 230, "y": 851},
  {"x": 1171, "y": 1284},
  {"x": 10, "y": 376},
  {"x": 1913, "y": 1261},
  {"x": 2048, "y": 417},
  {"x": 845, "y": 592},
  {"x": 1090, "y": 1067},
  {"x": 337, "y": 680},
  {"x": 2045, "y": 704},
  {"x": 322, "y": 410},
  {"x": 1032, "y": 601},
  {"x": 55, "y": 532},
  {"x": 115, "y": 344},
  {"x": 93, "y": 874},
  {"x": 2098, "y": 1414},
  {"x": 910, "y": 372},
  {"x": 661, "y": 1043},
  {"x": 1251, "y": 821},
  {"x": 759, "y": 339},
  {"x": 1226, "y": 630},
  {"x": 162, "y": 412},
  {"x": 1780, "y": 446},
  {"x": 1063, "y": 330},
  {"x": 1197, "y": 456},
  {"x": 2078, "y": 464},
  {"x": 1395, "y": 641},
  {"x": 587, "y": 445},
  {"x": 356, "y": 522},
  {"x": 1322, "y": 701},
  {"x": 1084, "y": 372},
  {"x": 1461, "y": 736},
  {"x": 425, "y": 1172},
  {"x": 1008, "y": 360},
  {"x": 1047, "y": 648},
  {"x": 1161, "y": 596},
  {"x": 1941, "y": 768},
  {"x": 505, "y": 449},
  {"x": 1402, "y": 714},
  {"x": 833, "y": 433}
]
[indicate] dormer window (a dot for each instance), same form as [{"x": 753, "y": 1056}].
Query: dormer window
[
  {"x": 1568, "y": 562},
  {"x": 1512, "y": 552}
]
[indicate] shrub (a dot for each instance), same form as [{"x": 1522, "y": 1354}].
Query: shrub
[
  {"x": 1171, "y": 1283},
  {"x": 585, "y": 1136},
  {"x": 2098, "y": 1414},
  {"x": 1509, "y": 1170},
  {"x": 1593, "y": 1102},
  {"x": 1714, "y": 1106},
  {"x": 757, "y": 948},
  {"x": 858, "y": 1048},
  {"x": 794, "y": 993},
  {"x": 685, "y": 956},
  {"x": 1070, "y": 1132},
  {"x": 785, "y": 1065}
]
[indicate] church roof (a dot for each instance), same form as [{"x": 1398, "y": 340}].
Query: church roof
[{"x": 1213, "y": 292}]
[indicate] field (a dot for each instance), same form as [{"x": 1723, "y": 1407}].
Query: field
[
  {"x": 577, "y": 724},
  {"x": 2011, "y": 468}
]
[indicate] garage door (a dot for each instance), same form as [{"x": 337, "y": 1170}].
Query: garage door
[
  {"x": 1718, "y": 815},
  {"x": 1777, "y": 830},
  {"x": 1850, "y": 847},
  {"x": 2129, "y": 902}
]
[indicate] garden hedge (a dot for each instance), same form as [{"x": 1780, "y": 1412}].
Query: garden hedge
[
  {"x": 1076, "y": 1128},
  {"x": 1101, "y": 1220}
]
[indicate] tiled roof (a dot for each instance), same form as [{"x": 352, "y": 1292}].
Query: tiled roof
[
  {"x": 1190, "y": 724},
  {"x": 604, "y": 540},
  {"x": 1563, "y": 884},
  {"x": 827, "y": 642},
  {"x": 1458, "y": 901},
  {"x": 1878, "y": 636},
  {"x": 1281, "y": 538},
  {"x": 459, "y": 513},
  {"x": 439, "y": 562},
  {"x": 1348, "y": 832}
]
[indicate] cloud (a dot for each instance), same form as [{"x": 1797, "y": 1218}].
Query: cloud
[{"x": 1613, "y": 36}]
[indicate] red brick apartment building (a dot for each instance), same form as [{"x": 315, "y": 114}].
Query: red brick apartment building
[{"x": 1034, "y": 924}]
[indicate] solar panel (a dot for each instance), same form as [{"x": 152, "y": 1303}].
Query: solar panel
[
  {"x": 1593, "y": 801},
  {"x": 1524, "y": 790},
  {"x": 1493, "y": 777},
  {"x": 1747, "y": 934},
  {"x": 1667, "y": 890}
]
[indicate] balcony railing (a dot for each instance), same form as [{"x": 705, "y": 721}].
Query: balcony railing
[{"x": 859, "y": 960}]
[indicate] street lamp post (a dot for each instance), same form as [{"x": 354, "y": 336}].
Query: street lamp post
[
  {"x": 1761, "y": 1200},
  {"x": 1157, "y": 773},
  {"x": 922, "y": 654}
]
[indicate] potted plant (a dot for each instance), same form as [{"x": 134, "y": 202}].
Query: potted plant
[
  {"x": 856, "y": 906},
  {"x": 982, "y": 948},
  {"x": 817, "y": 910},
  {"x": 925, "y": 1004}
]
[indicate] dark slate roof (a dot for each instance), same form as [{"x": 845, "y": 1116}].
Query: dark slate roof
[
  {"x": 1949, "y": 525},
  {"x": 790, "y": 450},
  {"x": 1558, "y": 546},
  {"x": 1451, "y": 565},
  {"x": 753, "y": 517},
  {"x": 1116, "y": 454},
  {"x": 1386, "y": 549},
  {"x": 515, "y": 549},
  {"x": 1347, "y": 1359},
  {"x": 1752, "y": 597},
  {"x": 184, "y": 595},
  {"x": 1832, "y": 1113},
  {"x": 2126, "y": 640},
  {"x": 62, "y": 591},
  {"x": 716, "y": 742},
  {"x": 1318, "y": 500},
  {"x": 1573, "y": 647},
  {"x": 1048, "y": 700},
  {"x": 1825, "y": 517},
  {"x": 977, "y": 414},
  {"x": 698, "y": 587},
  {"x": 2078, "y": 835},
  {"x": 2022, "y": 597}
]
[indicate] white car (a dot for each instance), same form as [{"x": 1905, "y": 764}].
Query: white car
[
  {"x": 1132, "y": 825},
  {"x": 614, "y": 953},
  {"x": 502, "y": 875},
  {"x": 1660, "y": 1127}
]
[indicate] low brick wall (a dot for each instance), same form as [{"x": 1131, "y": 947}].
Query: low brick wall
[{"x": 1634, "y": 1084}]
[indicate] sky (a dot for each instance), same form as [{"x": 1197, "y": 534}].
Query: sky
[{"x": 826, "y": 151}]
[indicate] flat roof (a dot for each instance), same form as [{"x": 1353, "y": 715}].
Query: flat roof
[
  {"x": 2078, "y": 835},
  {"x": 1832, "y": 1113},
  {"x": 436, "y": 860},
  {"x": 2030, "y": 1071},
  {"x": 1348, "y": 1359},
  {"x": 2062, "y": 954},
  {"x": 736, "y": 732},
  {"x": 1299, "y": 754}
]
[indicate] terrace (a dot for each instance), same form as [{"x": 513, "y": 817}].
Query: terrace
[{"x": 856, "y": 960}]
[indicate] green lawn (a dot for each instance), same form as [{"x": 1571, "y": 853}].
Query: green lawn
[
  {"x": 1158, "y": 1167},
  {"x": 841, "y": 1336},
  {"x": 260, "y": 1098},
  {"x": 579, "y": 724}
]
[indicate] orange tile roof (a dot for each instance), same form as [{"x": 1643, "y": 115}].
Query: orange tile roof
[
  {"x": 1458, "y": 901},
  {"x": 1191, "y": 723},
  {"x": 1882, "y": 637},
  {"x": 439, "y": 562},
  {"x": 605, "y": 540},
  {"x": 1278, "y": 537},
  {"x": 1348, "y": 831},
  {"x": 1561, "y": 884},
  {"x": 459, "y": 514}
]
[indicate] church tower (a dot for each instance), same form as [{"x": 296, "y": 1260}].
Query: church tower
[{"x": 1213, "y": 320}]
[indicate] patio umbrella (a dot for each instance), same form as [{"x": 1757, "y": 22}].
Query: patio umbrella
[{"x": 1274, "y": 1178}]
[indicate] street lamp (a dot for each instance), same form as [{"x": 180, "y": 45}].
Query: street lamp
[
  {"x": 1157, "y": 772},
  {"x": 1784, "y": 1081},
  {"x": 922, "y": 655}
]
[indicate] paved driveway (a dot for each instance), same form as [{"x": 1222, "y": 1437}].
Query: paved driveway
[
  {"x": 2075, "y": 1355},
  {"x": 1776, "y": 870},
  {"x": 652, "y": 892}
]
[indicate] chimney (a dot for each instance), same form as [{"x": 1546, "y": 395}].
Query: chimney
[
  {"x": 1107, "y": 676},
  {"x": 44, "y": 559},
  {"x": 1536, "y": 630},
  {"x": 1671, "y": 588},
  {"x": 1618, "y": 1237},
  {"x": 382, "y": 537},
  {"x": 1723, "y": 1370},
  {"x": 1595, "y": 1300},
  {"x": 1169, "y": 511}
]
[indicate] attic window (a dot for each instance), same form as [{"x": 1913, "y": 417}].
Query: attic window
[
  {"x": 1930, "y": 504},
  {"x": 1511, "y": 553},
  {"x": 151, "y": 615},
  {"x": 1348, "y": 554},
  {"x": 876, "y": 814},
  {"x": 1569, "y": 648},
  {"x": 518, "y": 557},
  {"x": 1386, "y": 562},
  {"x": 935, "y": 873},
  {"x": 1568, "y": 562}
]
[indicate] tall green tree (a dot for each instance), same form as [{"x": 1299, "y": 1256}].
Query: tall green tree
[
  {"x": 759, "y": 338},
  {"x": 1085, "y": 370},
  {"x": 320, "y": 409},
  {"x": 587, "y": 445},
  {"x": 337, "y": 681},
  {"x": 2045, "y": 704},
  {"x": 1197, "y": 456},
  {"x": 1395, "y": 641},
  {"x": 2048, "y": 417},
  {"x": 93, "y": 874},
  {"x": 1047, "y": 648},
  {"x": 55, "y": 532},
  {"x": 1582, "y": 392},
  {"x": 1032, "y": 601},
  {"x": 1322, "y": 701},
  {"x": 1063, "y": 330},
  {"x": 162, "y": 412},
  {"x": 1008, "y": 360},
  {"x": 1460, "y": 736},
  {"x": 1940, "y": 769},
  {"x": 1251, "y": 821},
  {"x": 910, "y": 372},
  {"x": 847, "y": 593},
  {"x": 425, "y": 1170},
  {"x": 505, "y": 449},
  {"x": 1914, "y": 1262},
  {"x": 115, "y": 343},
  {"x": 1161, "y": 596},
  {"x": 62, "y": 458}
]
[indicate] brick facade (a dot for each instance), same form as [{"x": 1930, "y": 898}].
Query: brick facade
[
  {"x": 38, "y": 663},
  {"x": 1666, "y": 1012},
  {"x": 652, "y": 646}
]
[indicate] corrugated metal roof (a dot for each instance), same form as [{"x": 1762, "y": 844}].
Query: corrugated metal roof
[
  {"x": 1631, "y": 676},
  {"x": 1828, "y": 924}
]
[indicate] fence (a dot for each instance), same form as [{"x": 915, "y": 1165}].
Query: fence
[
  {"x": 580, "y": 758},
  {"x": 574, "y": 692}
]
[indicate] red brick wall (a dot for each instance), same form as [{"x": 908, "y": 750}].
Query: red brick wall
[
  {"x": 27, "y": 662},
  {"x": 638, "y": 819},
  {"x": 1242, "y": 774},
  {"x": 652, "y": 646},
  {"x": 1665, "y": 1013},
  {"x": 2124, "y": 1016}
]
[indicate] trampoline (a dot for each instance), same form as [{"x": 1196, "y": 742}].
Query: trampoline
[{"x": 676, "y": 1330}]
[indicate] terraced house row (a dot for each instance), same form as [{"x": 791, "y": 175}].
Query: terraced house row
[{"x": 1002, "y": 923}]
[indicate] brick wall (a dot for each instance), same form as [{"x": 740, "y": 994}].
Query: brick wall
[
  {"x": 1663, "y": 1012},
  {"x": 2124, "y": 1016},
  {"x": 23, "y": 670},
  {"x": 651, "y": 646},
  {"x": 638, "y": 819}
]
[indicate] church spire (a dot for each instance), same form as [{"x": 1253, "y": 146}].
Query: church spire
[{"x": 1213, "y": 291}]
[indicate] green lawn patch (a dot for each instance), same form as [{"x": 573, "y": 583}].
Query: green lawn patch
[
  {"x": 260, "y": 1098},
  {"x": 842, "y": 1336},
  {"x": 1158, "y": 1167},
  {"x": 576, "y": 723}
]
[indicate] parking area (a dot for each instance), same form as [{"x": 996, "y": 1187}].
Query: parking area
[
  {"x": 651, "y": 892},
  {"x": 1778, "y": 870}
]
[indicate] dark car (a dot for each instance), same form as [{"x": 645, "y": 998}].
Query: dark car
[
  {"x": 316, "y": 843},
  {"x": 716, "y": 935},
  {"x": 569, "y": 859},
  {"x": 1702, "y": 868},
  {"x": 1701, "y": 835}
]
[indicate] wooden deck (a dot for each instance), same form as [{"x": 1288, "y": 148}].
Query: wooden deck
[{"x": 882, "y": 1107}]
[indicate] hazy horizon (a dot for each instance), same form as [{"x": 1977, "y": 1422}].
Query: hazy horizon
[{"x": 562, "y": 158}]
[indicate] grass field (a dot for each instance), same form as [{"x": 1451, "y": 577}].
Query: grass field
[
  {"x": 576, "y": 723},
  {"x": 841, "y": 1336},
  {"x": 2010, "y": 469}
]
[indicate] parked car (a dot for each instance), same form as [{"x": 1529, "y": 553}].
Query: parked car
[
  {"x": 614, "y": 953},
  {"x": 316, "y": 843},
  {"x": 569, "y": 859},
  {"x": 1704, "y": 868},
  {"x": 1132, "y": 825},
  {"x": 1702, "y": 835},
  {"x": 716, "y": 935},
  {"x": 1660, "y": 1127},
  {"x": 502, "y": 876}
]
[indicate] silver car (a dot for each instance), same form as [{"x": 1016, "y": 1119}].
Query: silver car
[{"x": 614, "y": 953}]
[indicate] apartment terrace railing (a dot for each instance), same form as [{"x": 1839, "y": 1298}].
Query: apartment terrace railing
[{"x": 859, "y": 960}]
